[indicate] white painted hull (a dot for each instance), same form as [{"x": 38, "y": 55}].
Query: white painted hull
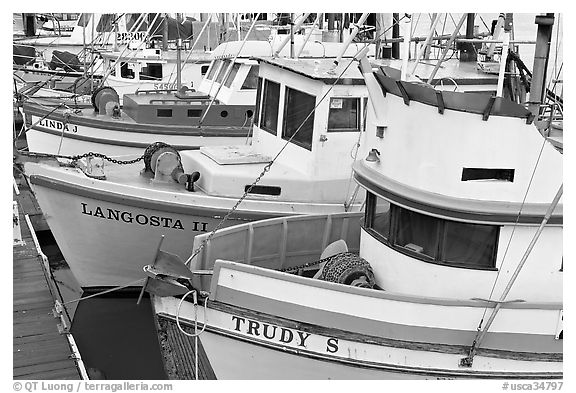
[
  {"x": 262, "y": 363},
  {"x": 237, "y": 348},
  {"x": 108, "y": 231}
]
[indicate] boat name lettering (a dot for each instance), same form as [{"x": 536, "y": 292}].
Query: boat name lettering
[
  {"x": 130, "y": 36},
  {"x": 141, "y": 219},
  {"x": 165, "y": 86},
  {"x": 277, "y": 333},
  {"x": 58, "y": 125}
]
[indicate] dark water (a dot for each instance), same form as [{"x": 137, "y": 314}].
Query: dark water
[{"x": 115, "y": 336}]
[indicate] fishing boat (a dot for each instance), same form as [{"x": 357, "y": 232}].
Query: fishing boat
[
  {"x": 454, "y": 271},
  {"x": 220, "y": 111},
  {"x": 309, "y": 124}
]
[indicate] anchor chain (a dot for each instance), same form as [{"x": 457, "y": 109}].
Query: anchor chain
[
  {"x": 80, "y": 156},
  {"x": 294, "y": 269}
]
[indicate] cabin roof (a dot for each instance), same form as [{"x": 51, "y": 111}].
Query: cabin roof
[
  {"x": 463, "y": 73},
  {"x": 323, "y": 70},
  {"x": 134, "y": 55}
]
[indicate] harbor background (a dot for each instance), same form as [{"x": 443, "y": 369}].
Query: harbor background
[{"x": 117, "y": 337}]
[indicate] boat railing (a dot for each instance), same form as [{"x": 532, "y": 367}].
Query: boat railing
[{"x": 278, "y": 243}]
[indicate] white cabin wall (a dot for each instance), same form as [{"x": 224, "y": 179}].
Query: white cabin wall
[
  {"x": 296, "y": 157},
  {"x": 399, "y": 273},
  {"x": 427, "y": 150},
  {"x": 334, "y": 156}
]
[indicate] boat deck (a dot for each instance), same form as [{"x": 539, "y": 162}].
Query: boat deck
[{"x": 40, "y": 351}]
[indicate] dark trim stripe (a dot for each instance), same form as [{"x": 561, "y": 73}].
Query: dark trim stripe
[
  {"x": 110, "y": 142},
  {"x": 470, "y": 102},
  {"x": 129, "y": 127},
  {"x": 491, "y": 212},
  {"x": 386, "y": 333},
  {"x": 146, "y": 203},
  {"x": 384, "y": 367}
]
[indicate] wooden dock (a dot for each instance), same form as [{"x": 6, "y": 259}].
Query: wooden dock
[{"x": 42, "y": 346}]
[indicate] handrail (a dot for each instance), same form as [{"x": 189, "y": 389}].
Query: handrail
[{"x": 250, "y": 248}]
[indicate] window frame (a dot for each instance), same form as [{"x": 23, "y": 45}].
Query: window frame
[
  {"x": 264, "y": 111},
  {"x": 232, "y": 75},
  {"x": 309, "y": 118},
  {"x": 248, "y": 77},
  {"x": 358, "y": 115},
  {"x": 441, "y": 237},
  {"x": 213, "y": 70}
]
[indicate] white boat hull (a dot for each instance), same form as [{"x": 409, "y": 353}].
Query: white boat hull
[
  {"x": 259, "y": 346},
  {"x": 107, "y": 231}
]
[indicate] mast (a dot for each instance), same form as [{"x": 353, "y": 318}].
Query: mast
[
  {"x": 467, "y": 50},
  {"x": 541, "y": 54},
  {"x": 165, "y": 32},
  {"x": 178, "y": 55},
  {"x": 395, "y": 34}
]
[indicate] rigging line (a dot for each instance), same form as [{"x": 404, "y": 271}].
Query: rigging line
[
  {"x": 109, "y": 71},
  {"x": 556, "y": 52},
  {"x": 355, "y": 154},
  {"x": 515, "y": 225},
  {"x": 268, "y": 166},
  {"x": 192, "y": 47},
  {"x": 24, "y": 129},
  {"x": 131, "y": 283},
  {"x": 467, "y": 361},
  {"x": 228, "y": 71},
  {"x": 485, "y": 25}
]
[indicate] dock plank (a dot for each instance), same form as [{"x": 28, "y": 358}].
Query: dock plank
[{"x": 40, "y": 352}]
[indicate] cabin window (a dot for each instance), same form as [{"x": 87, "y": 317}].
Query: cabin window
[
  {"x": 213, "y": 69},
  {"x": 223, "y": 71},
  {"x": 204, "y": 69},
  {"x": 344, "y": 114},
  {"x": 194, "y": 112},
  {"x": 299, "y": 117},
  {"x": 432, "y": 239},
  {"x": 151, "y": 71},
  {"x": 112, "y": 67},
  {"x": 232, "y": 75},
  {"x": 473, "y": 243},
  {"x": 251, "y": 81},
  {"x": 126, "y": 70},
  {"x": 417, "y": 232},
  {"x": 164, "y": 112},
  {"x": 257, "y": 107},
  {"x": 270, "y": 102},
  {"x": 105, "y": 23}
]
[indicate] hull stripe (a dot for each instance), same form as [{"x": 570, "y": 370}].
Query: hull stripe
[
  {"x": 411, "y": 337},
  {"x": 420, "y": 371},
  {"x": 144, "y": 203},
  {"x": 132, "y": 127},
  {"x": 113, "y": 142}
]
